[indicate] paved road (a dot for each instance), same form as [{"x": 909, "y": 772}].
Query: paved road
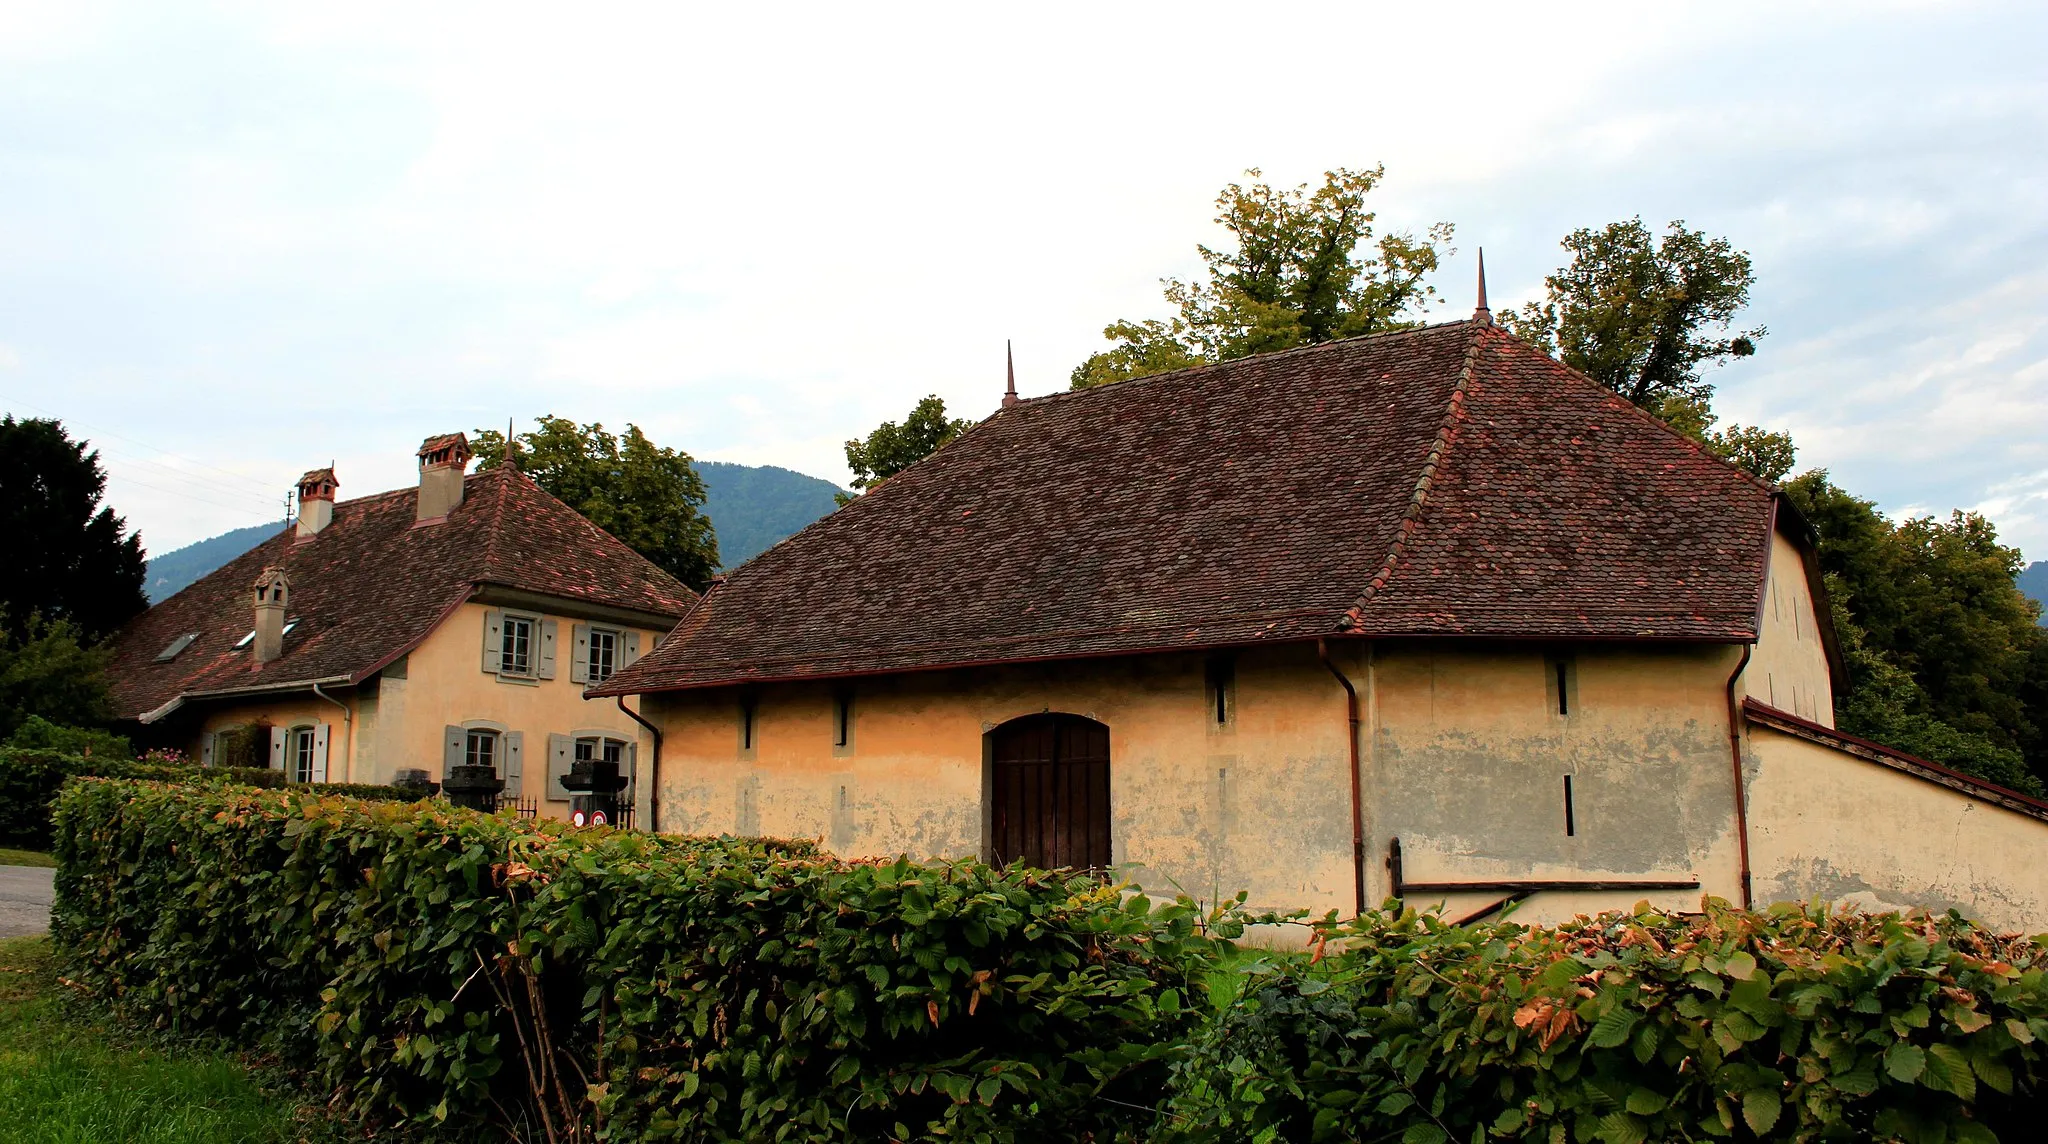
[{"x": 25, "y": 893}]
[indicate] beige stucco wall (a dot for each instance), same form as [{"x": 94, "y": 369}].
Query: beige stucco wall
[
  {"x": 1790, "y": 670},
  {"x": 1463, "y": 756},
  {"x": 399, "y": 719},
  {"x": 1469, "y": 753},
  {"x": 1826, "y": 823}
]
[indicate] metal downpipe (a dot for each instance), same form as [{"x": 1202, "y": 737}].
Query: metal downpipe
[
  {"x": 653, "y": 768},
  {"x": 1357, "y": 783},
  {"x": 1735, "y": 759}
]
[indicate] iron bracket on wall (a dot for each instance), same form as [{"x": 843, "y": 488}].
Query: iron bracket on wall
[{"x": 1517, "y": 889}]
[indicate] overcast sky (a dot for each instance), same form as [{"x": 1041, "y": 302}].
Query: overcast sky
[{"x": 239, "y": 241}]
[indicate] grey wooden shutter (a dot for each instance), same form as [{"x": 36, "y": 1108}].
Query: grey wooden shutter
[
  {"x": 579, "y": 667},
  {"x": 453, "y": 741},
  {"x": 546, "y": 668},
  {"x": 561, "y": 756},
  {"x": 632, "y": 648},
  {"x": 515, "y": 761},
  {"x": 206, "y": 748},
  {"x": 494, "y": 640},
  {"x": 277, "y": 736},
  {"x": 322, "y": 735}
]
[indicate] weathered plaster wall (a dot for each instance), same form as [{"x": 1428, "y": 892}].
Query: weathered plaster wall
[
  {"x": 1260, "y": 804},
  {"x": 445, "y": 683},
  {"x": 1826, "y": 823},
  {"x": 399, "y": 721},
  {"x": 1469, "y": 750},
  {"x": 1464, "y": 759},
  {"x": 1789, "y": 669},
  {"x": 303, "y": 710}
]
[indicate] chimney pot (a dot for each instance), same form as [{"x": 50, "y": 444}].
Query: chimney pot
[
  {"x": 316, "y": 502},
  {"x": 272, "y": 589},
  {"x": 442, "y": 460}
]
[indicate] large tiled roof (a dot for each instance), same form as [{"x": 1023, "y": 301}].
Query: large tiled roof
[
  {"x": 371, "y": 585},
  {"x": 1450, "y": 480}
]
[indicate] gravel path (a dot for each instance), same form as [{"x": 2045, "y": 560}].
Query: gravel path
[{"x": 25, "y": 893}]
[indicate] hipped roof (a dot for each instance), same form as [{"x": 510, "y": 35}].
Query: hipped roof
[
  {"x": 1444, "y": 481},
  {"x": 373, "y": 583}
]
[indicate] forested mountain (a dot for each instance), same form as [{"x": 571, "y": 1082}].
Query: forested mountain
[
  {"x": 750, "y": 506},
  {"x": 754, "y": 506},
  {"x": 2033, "y": 580},
  {"x": 169, "y": 573}
]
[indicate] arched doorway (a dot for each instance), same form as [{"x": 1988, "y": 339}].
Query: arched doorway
[{"x": 1049, "y": 792}]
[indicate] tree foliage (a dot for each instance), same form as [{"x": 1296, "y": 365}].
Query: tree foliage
[
  {"x": 70, "y": 558},
  {"x": 1641, "y": 315},
  {"x": 648, "y": 496},
  {"x": 892, "y": 448},
  {"x": 49, "y": 671},
  {"x": 1946, "y": 658},
  {"x": 1305, "y": 266},
  {"x": 1767, "y": 454}
]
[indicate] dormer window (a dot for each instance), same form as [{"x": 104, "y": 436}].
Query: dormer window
[
  {"x": 245, "y": 641},
  {"x": 180, "y": 644}
]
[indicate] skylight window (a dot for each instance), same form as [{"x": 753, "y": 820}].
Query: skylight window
[
  {"x": 171, "y": 651},
  {"x": 245, "y": 641}
]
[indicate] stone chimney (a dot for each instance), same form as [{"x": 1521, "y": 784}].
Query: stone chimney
[
  {"x": 271, "y": 589},
  {"x": 442, "y": 460},
  {"x": 316, "y": 502}
]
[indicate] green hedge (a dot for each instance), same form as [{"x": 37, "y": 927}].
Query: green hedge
[
  {"x": 372, "y": 791},
  {"x": 430, "y": 963},
  {"x": 1790, "y": 1024},
  {"x": 30, "y": 778}
]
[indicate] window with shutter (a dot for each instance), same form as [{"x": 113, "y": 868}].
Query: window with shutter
[
  {"x": 454, "y": 743},
  {"x": 561, "y": 755},
  {"x": 494, "y": 640},
  {"x": 579, "y": 654},
  {"x": 515, "y": 762},
  {"x": 544, "y": 666}
]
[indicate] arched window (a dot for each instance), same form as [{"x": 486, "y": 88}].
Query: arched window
[{"x": 1049, "y": 792}]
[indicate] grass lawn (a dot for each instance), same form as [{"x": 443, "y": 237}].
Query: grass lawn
[
  {"x": 25, "y": 858},
  {"x": 70, "y": 1077}
]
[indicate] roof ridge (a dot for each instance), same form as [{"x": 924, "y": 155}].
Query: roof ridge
[
  {"x": 1204, "y": 367},
  {"x": 1411, "y": 520}
]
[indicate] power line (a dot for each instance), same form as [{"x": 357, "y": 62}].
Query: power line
[{"x": 153, "y": 448}]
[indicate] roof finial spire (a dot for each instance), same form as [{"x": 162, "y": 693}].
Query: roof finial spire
[
  {"x": 1010, "y": 359},
  {"x": 1481, "y": 314}
]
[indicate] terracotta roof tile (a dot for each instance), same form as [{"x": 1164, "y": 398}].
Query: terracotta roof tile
[
  {"x": 1447, "y": 480},
  {"x": 373, "y": 583}
]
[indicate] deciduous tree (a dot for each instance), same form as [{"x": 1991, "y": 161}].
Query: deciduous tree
[
  {"x": 648, "y": 496},
  {"x": 70, "y": 559},
  {"x": 1642, "y": 315},
  {"x": 1304, "y": 267},
  {"x": 1944, "y": 649},
  {"x": 892, "y": 448},
  {"x": 48, "y": 670}
]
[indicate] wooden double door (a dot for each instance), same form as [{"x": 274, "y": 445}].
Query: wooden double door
[{"x": 1049, "y": 802}]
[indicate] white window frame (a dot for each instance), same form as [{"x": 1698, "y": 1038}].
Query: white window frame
[
  {"x": 532, "y": 624},
  {"x": 302, "y": 746},
  {"x": 491, "y": 736},
  {"x": 617, "y": 639}
]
